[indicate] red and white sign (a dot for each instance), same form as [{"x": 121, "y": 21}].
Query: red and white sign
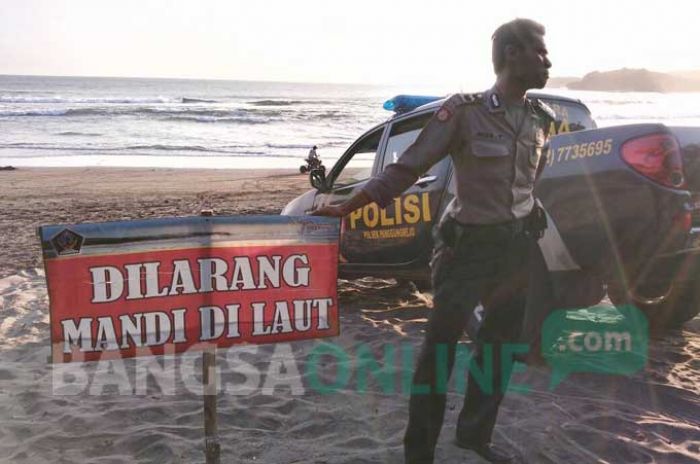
[{"x": 165, "y": 295}]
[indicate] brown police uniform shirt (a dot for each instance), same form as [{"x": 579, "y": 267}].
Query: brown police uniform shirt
[{"x": 495, "y": 149}]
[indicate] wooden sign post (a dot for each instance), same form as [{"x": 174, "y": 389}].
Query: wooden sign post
[{"x": 212, "y": 448}]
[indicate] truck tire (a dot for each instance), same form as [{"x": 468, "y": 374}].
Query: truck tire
[{"x": 681, "y": 305}]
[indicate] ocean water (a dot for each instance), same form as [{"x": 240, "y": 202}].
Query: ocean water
[{"x": 79, "y": 121}]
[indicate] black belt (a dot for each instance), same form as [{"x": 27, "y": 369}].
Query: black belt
[{"x": 533, "y": 225}]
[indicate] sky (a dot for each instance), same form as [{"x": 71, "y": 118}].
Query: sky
[{"x": 445, "y": 43}]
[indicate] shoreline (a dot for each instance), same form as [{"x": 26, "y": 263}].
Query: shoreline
[{"x": 198, "y": 162}]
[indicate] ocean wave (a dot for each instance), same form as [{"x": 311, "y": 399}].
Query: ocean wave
[
  {"x": 196, "y": 100},
  {"x": 259, "y": 115},
  {"x": 81, "y": 134},
  {"x": 217, "y": 119},
  {"x": 54, "y": 147},
  {"x": 40, "y": 112},
  {"x": 173, "y": 148},
  {"x": 117, "y": 152},
  {"x": 169, "y": 111},
  {"x": 39, "y": 145},
  {"x": 326, "y": 115},
  {"x": 120, "y": 100},
  {"x": 227, "y": 149},
  {"x": 291, "y": 145},
  {"x": 55, "y": 112},
  {"x": 196, "y": 115},
  {"x": 341, "y": 142},
  {"x": 275, "y": 102}
]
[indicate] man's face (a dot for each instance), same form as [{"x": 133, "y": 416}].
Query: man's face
[{"x": 531, "y": 65}]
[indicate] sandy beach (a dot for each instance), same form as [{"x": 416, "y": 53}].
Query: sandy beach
[{"x": 272, "y": 404}]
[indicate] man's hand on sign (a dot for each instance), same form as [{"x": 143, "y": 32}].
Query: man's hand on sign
[{"x": 331, "y": 210}]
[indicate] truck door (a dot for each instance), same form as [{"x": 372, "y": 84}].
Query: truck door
[
  {"x": 348, "y": 176},
  {"x": 400, "y": 233}
]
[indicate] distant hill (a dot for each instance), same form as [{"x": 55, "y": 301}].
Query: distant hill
[
  {"x": 559, "y": 82},
  {"x": 633, "y": 80},
  {"x": 693, "y": 74}
]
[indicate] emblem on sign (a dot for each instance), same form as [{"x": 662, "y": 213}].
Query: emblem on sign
[{"x": 67, "y": 242}]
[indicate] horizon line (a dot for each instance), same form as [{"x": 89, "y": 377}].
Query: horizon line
[{"x": 196, "y": 79}]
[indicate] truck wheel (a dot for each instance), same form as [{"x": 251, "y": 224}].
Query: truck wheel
[{"x": 681, "y": 304}]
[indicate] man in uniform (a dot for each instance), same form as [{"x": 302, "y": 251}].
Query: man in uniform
[{"x": 485, "y": 242}]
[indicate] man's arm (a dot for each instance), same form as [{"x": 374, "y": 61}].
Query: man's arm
[
  {"x": 430, "y": 147},
  {"x": 358, "y": 200},
  {"x": 549, "y": 117},
  {"x": 544, "y": 159}
]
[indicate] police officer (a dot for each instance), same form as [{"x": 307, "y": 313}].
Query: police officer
[{"x": 485, "y": 242}]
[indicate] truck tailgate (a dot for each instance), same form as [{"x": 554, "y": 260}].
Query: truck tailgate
[{"x": 609, "y": 214}]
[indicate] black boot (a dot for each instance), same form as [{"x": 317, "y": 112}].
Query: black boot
[{"x": 488, "y": 452}]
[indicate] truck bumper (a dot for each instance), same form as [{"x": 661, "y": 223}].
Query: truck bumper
[{"x": 680, "y": 266}]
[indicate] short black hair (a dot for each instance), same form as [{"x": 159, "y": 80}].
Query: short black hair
[{"x": 517, "y": 32}]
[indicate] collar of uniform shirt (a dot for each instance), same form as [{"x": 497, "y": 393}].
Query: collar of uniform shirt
[
  {"x": 496, "y": 102},
  {"x": 520, "y": 115}
]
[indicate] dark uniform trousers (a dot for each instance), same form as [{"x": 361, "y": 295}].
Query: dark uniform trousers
[{"x": 471, "y": 264}]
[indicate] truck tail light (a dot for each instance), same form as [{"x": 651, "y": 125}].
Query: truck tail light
[{"x": 657, "y": 157}]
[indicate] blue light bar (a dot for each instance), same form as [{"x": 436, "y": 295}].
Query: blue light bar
[{"x": 404, "y": 103}]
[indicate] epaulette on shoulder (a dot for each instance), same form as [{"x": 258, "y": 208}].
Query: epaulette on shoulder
[
  {"x": 470, "y": 98},
  {"x": 453, "y": 102},
  {"x": 459, "y": 99},
  {"x": 544, "y": 109}
]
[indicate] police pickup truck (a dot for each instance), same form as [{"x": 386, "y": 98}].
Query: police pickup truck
[{"x": 622, "y": 203}]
